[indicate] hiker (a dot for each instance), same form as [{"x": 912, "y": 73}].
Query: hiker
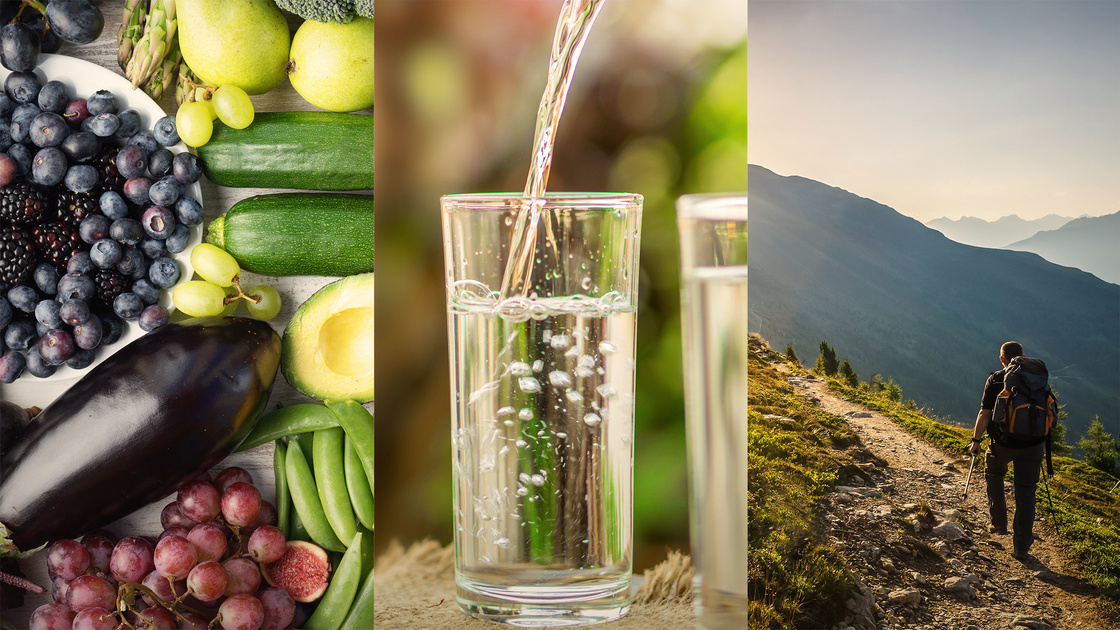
[{"x": 1024, "y": 445}]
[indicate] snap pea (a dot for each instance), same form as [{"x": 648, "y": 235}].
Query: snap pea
[
  {"x": 336, "y": 602},
  {"x": 361, "y": 613},
  {"x": 305, "y": 497},
  {"x": 290, "y": 420},
  {"x": 358, "y": 424},
  {"x": 330, "y": 480},
  {"x": 361, "y": 494},
  {"x": 283, "y": 498},
  {"x": 299, "y": 532}
]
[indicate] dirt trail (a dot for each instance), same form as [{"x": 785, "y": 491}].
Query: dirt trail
[{"x": 933, "y": 576}]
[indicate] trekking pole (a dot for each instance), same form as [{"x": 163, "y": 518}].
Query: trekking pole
[
  {"x": 1053, "y": 518},
  {"x": 969, "y": 479}
]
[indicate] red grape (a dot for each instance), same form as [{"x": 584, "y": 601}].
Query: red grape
[
  {"x": 174, "y": 531},
  {"x": 91, "y": 591},
  {"x": 240, "y": 503},
  {"x": 131, "y": 559},
  {"x": 172, "y": 517},
  {"x": 266, "y": 516},
  {"x": 267, "y": 544},
  {"x": 244, "y": 576},
  {"x": 52, "y": 617},
  {"x": 156, "y": 618},
  {"x": 196, "y": 622},
  {"x": 209, "y": 541},
  {"x": 99, "y": 545},
  {"x": 59, "y": 587},
  {"x": 208, "y": 581},
  {"x": 95, "y": 619},
  {"x": 230, "y": 476},
  {"x": 279, "y": 608},
  {"x": 174, "y": 557},
  {"x": 199, "y": 501},
  {"x": 241, "y": 612},
  {"x": 162, "y": 588},
  {"x": 67, "y": 559}
]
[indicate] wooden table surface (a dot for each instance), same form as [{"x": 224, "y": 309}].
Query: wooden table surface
[{"x": 216, "y": 200}]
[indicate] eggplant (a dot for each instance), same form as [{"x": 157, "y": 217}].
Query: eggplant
[{"x": 151, "y": 417}]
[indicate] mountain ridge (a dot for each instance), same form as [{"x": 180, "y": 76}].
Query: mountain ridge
[
  {"x": 1088, "y": 243},
  {"x": 999, "y": 233}
]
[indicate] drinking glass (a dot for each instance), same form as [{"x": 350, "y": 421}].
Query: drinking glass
[
  {"x": 713, "y": 236},
  {"x": 542, "y": 422}
]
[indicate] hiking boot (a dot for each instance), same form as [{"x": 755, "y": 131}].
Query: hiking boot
[
  {"x": 1019, "y": 553},
  {"x": 1002, "y": 531}
]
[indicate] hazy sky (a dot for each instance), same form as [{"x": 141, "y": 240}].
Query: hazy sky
[{"x": 938, "y": 108}]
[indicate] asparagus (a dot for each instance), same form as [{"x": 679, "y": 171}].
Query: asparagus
[{"x": 132, "y": 26}]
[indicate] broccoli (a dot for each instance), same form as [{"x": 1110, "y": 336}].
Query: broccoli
[
  {"x": 364, "y": 8},
  {"x": 333, "y": 11}
]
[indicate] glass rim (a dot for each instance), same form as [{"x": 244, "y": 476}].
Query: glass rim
[
  {"x": 578, "y": 200},
  {"x": 721, "y": 206}
]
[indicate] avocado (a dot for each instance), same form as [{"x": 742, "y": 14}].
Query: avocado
[{"x": 328, "y": 345}]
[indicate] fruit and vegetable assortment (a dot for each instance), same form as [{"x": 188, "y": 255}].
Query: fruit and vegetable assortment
[
  {"x": 94, "y": 207},
  {"x": 148, "y": 45}
]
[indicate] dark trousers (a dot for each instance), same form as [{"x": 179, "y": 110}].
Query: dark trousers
[{"x": 1028, "y": 462}]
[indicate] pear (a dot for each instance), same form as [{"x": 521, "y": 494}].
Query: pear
[
  {"x": 239, "y": 42},
  {"x": 331, "y": 65}
]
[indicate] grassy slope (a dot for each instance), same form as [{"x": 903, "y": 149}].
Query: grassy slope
[{"x": 798, "y": 452}]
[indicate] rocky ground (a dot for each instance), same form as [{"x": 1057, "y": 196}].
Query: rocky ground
[{"x": 922, "y": 552}]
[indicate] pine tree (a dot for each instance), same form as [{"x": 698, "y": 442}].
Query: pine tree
[
  {"x": 827, "y": 364},
  {"x": 848, "y": 374},
  {"x": 1058, "y": 443},
  {"x": 791, "y": 355},
  {"x": 894, "y": 392},
  {"x": 1100, "y": 450}
]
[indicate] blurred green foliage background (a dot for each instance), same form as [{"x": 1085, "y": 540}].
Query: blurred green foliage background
[{"x": 658, "y": 107}]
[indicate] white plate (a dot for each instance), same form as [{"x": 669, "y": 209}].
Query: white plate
[{"x": 83, "y": 79}]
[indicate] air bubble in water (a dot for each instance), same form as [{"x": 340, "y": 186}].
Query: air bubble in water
[
  {"x": 522, "y": 491},
  {"x": 537, "y": 480},
  {"x": 561, "y": 435},
  {"x": 560, "y": 379},
  {"x": 508, "y": 423},
  {"x": 504, "y": 543},
  {"x": 607, "y": 347},
  {"x": 504, "y": 451},
  {"x": 586, "y": 284},
  {"x": 592, "y": 420},
  {"x": 505, "y": 411},
  {"x": 606, "y": 391},
  {"x": 574, "y": 396},
  {"x": 538, "y": 365},
  {"x": 523, "y": 478},
  {"x": 481, "y": 391},
  {"x": 519, "y": 368},
  {"x": 560, "y": 342},
  {"x": 525, "y": 414},
  {"x": 520, "y": 443},
  {"x": 529, "y": 385}
]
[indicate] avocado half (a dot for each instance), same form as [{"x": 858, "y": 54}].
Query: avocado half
[{"x": 328, "y": 345}]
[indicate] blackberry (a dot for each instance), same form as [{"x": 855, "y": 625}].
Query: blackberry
[
  {"x": 110, "y": 178},
  {"x": 75, "y": 206},
  {"x": 24, "y": 205},
  {"x": 57, "y": 241},
  {"x": 110, "y": 283},
  {"x": 18, "y": 257}
]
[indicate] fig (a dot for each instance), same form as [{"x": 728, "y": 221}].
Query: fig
[{"x": 304, "y": 571}]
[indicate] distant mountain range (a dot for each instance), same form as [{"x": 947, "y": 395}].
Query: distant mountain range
[
  {"x": 896, "y": 297},
  {"x": 1090, "y": 243},
  {"x": 999, "y": 233}
]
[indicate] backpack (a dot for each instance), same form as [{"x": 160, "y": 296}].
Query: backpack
[{"x": 1026, "y": 409}]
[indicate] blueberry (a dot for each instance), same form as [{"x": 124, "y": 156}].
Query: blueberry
[
  {"x": 53, "y": 97},
  {"x": 76, "y": 21},
  {"x": 153, "y": 317},
  {"x": 129, "y": 121},
  {"x": 23, "y": 298},
  {"x": 87, "y": 334},
  {"x": 126, "y": 231},
  {"x": 37, "y": 366},
  {"x": 112, "y": 328},
  {"x": 79, "y": 263},
  {"x": 81, "y": 146},
  {"x": 49, "y": 166},
  {"x": 40, "y": 330},
  {"x": 131, "y": 261},
  {"x": 19, "y": 47},
  {"x": 23, "y": 156},
  {"x": 80, "y": 178},
  {"x": 47, "y": 312},
  {"x": 102, "y": 102},
  {"x": 20, "y": 334},
  {"x": 178, "y": 240},
  {"x": 159, "y": 162},
  {"x": 188, "y": 211},
  {"x": 49, "y": 42},
  {"x": 187, "y": 168},
  {"x": 46, "y": 278},
  {"x": 56, "y": 346},
  {"x": 12, "y": 365},
  {"x": 19, "y": 130},
  {"x": 165, "y": 192},
  {"x": 148, "y": 292},
  {"x": 75, "y": 285},
  {"x": 48, "y": 129},
  {"x": 82, "y": 359},
  {"x": 6, "y": 311},
  {"x": 22, "y": 87},
  {"x": 131, "y": 161},
  {"x": 74, "y": 312},
  {"x": 106, "y": 253},
  {"x": 128, "y": 306},
  {"x": 136, "y": 190},
  {"x": 158, "y": 222},
  {"x": 164, "y": 272},
  {"x": 145, "y": 140},
  {"x": 7, "y": 175},
  {"x": 153, "y": 248},
  {"x": 104, "y": 124},
  {"x": 164, "y": 131},
  {"x": 94, "y": 228},
  {"x": 6, "y": 106}
]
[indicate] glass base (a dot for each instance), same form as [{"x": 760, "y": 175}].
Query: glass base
[
  {"x": 550, "y": 606},
  {"x": 720, "y": 611}
]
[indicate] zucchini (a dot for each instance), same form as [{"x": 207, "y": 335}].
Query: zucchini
[
  {"x": 291, "y": 234},
  {"x": 308, "y": 150}
]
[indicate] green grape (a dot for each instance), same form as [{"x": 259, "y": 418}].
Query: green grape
[
  {"x": 231, "y": 291},
  {"x": 269, "y": 304},
  {"x": 214, "y": 264},
  {"x": 198, "y": 298},
  {"x": 233, "y": 106},
  {"x": 194, "y": 123}
]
